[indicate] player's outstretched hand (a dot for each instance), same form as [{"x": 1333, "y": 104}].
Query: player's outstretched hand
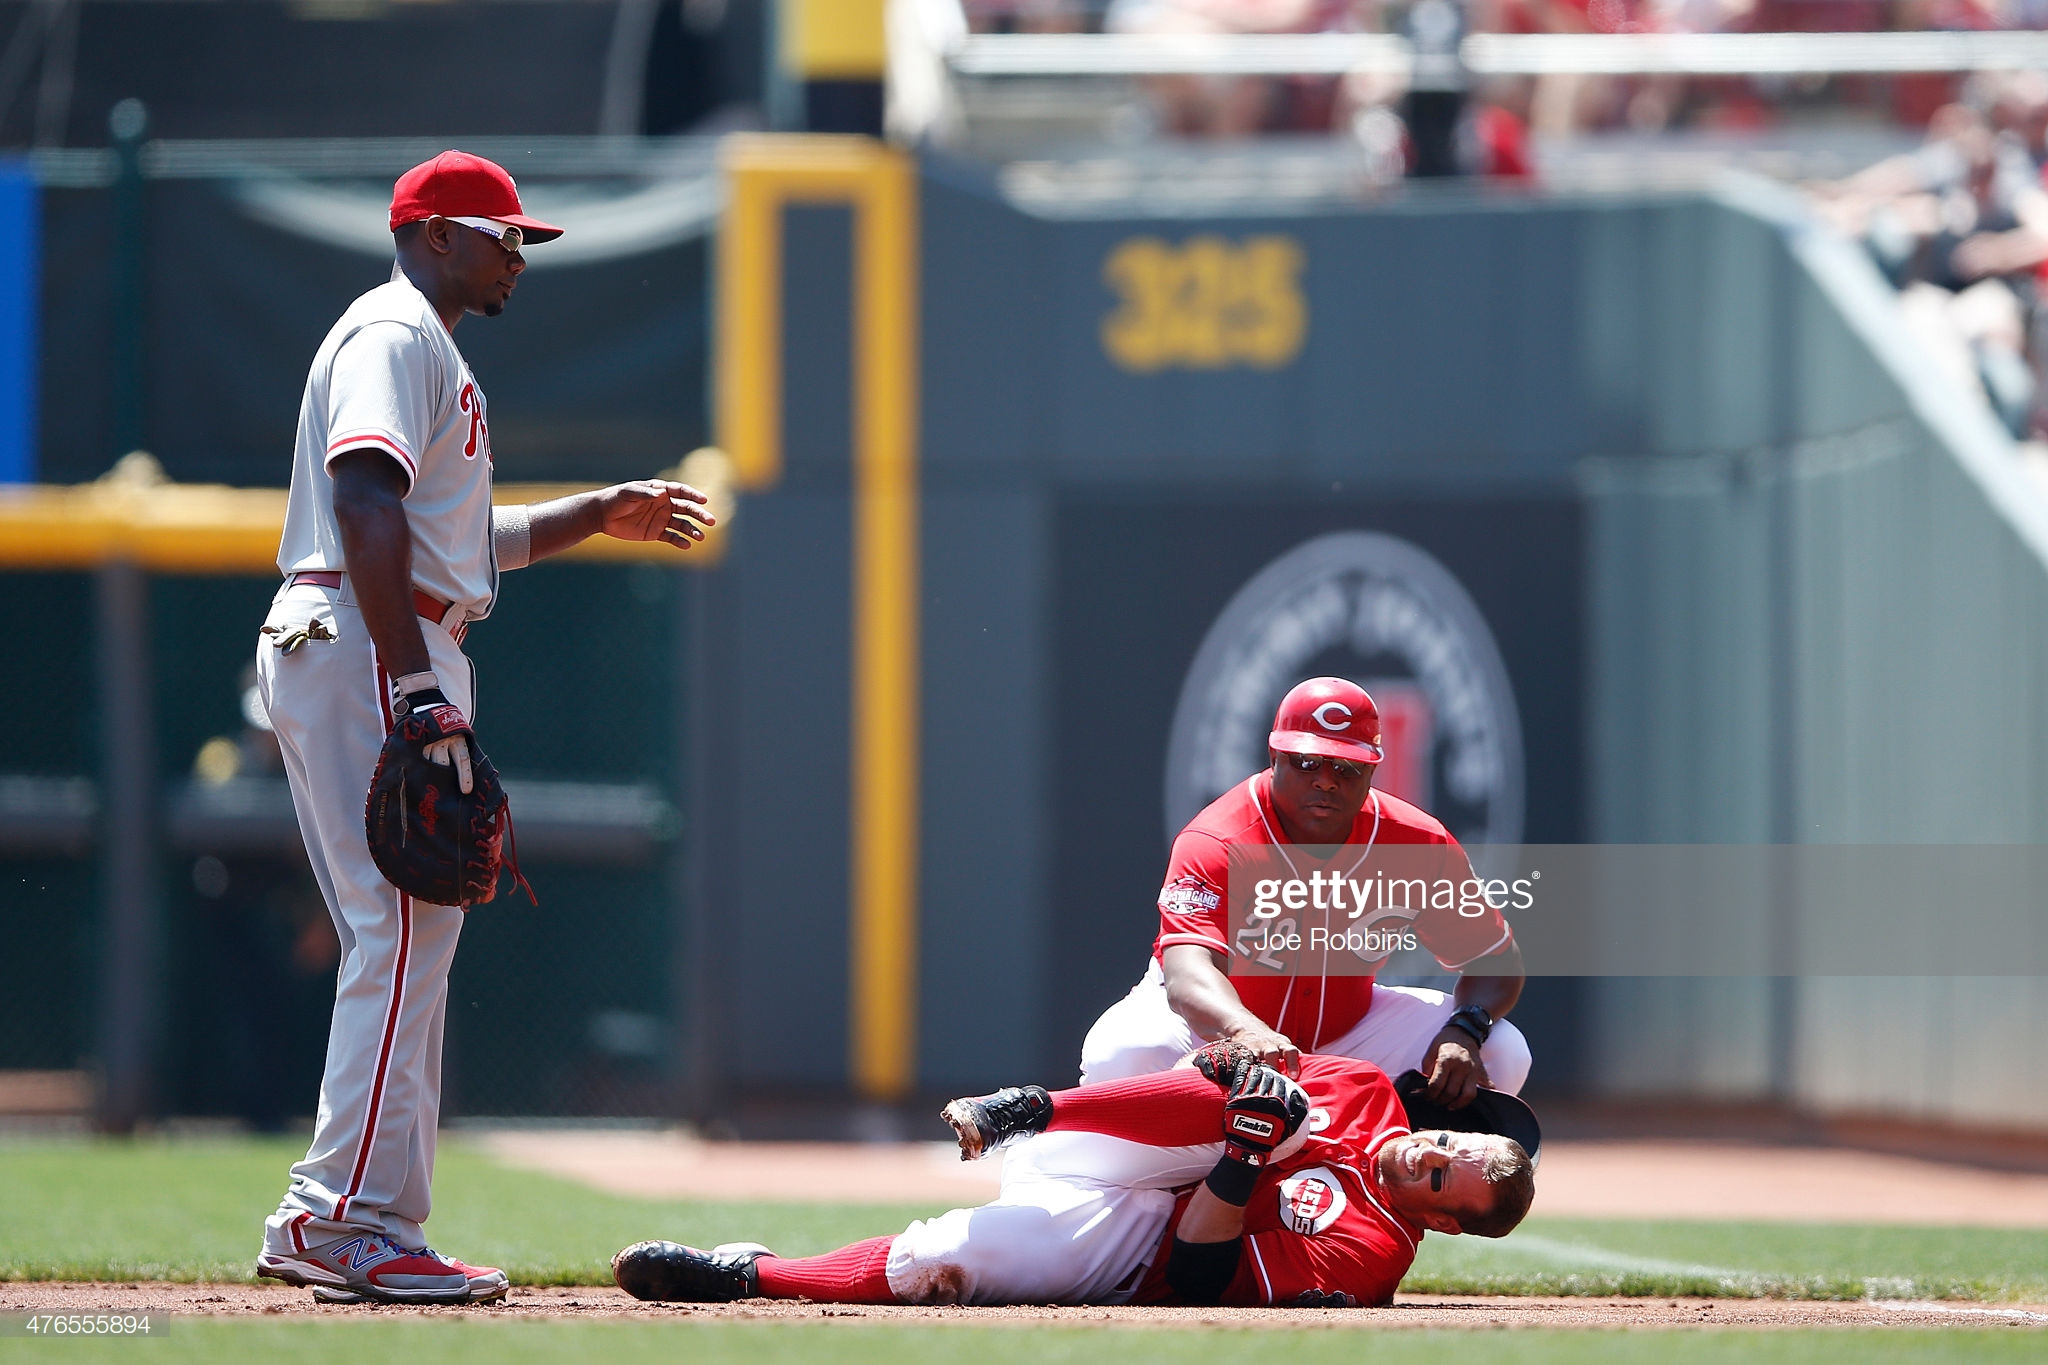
[
  {"x": 1453, "y": 1068},
  {"x": 656, "y": 509},
  {"x": 1223, "y": 1062},
  {"x": 1269, "y": 1046}
]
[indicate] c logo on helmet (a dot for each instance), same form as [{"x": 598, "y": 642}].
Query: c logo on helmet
[{"x": 1324, "y": 720}]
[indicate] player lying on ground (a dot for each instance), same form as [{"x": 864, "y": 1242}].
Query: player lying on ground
[{"x": 1217, "y": 1182}]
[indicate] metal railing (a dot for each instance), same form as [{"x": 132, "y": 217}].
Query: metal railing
[
  {"x": 1495, "y": 54},
  {"x": 575, "y": 822},
  {"x": 933, "y": 55},
  {"x": 575, "y": 158}
]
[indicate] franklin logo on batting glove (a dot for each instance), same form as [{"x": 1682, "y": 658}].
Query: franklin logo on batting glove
[{"x": 1251, "y": 1125}]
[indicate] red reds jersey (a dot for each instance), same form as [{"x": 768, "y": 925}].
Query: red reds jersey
[
  {"x": 1313, "y": 1011},
  {"x": 1317, "y": 1230}
]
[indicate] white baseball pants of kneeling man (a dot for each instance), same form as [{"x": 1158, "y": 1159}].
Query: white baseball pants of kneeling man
[
  {"x": 371, "y": 1162},
  {"x": 1140, "y": 1033}
]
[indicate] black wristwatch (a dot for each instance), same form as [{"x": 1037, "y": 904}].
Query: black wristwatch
[{"x": 1472, "y": 1019}]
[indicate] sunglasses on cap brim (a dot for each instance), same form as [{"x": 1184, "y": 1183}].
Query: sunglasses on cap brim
[
  {"x": 509, "y": 236},
  {"x": 1343, "y": 767}
]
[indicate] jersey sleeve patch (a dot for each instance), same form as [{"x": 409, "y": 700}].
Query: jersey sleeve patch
[
  {"x": 1189, "y": 895},
  {"x": 1190, "y": 911}
]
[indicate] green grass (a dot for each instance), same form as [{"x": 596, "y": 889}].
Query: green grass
[
  {"x": 1743, "y": 1260},
  {"x": 483, "y": 1342},
  {"x": 193, "y": 1210}
]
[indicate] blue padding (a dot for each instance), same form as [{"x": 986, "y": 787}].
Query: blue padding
[{"x": 20, "y": 265}]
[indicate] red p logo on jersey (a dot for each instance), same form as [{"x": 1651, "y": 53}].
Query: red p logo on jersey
[{"x": 472, "y": 403}]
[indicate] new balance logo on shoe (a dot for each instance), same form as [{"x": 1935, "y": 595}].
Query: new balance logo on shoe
[{"x": 360, "y": 1253}]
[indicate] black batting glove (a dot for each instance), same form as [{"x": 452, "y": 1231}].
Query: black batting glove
[{"x": 1261, "y": 1111}]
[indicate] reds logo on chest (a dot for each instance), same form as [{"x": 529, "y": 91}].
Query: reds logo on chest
[{"x": 1310, "y": 1201}]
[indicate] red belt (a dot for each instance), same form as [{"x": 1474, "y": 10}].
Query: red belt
[{"x": 426, "y": 604}]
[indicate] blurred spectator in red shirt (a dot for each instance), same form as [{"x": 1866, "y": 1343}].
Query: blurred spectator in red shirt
[
  {"x": 1237, "y": 106},
  {"x": 1495, "y": 142}
]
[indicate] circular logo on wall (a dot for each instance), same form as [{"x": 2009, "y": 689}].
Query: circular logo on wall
[{"x": 1379, "y": 611}]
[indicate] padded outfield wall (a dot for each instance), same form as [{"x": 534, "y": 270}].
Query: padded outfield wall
[
  {"x": 1829, "y": 632},
  {"x": 1636, "y": 513},
  {"x": 1719, "y": 536}
]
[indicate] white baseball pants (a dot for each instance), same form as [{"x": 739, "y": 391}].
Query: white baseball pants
[
  {"x": 1140, "y": 1034},
  {"x": 1078, "y": 1220},
  {"x": 372, "y": 1159}
]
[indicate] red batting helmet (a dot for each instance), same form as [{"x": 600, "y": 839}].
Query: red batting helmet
[{"x": 1327, "y": 716}]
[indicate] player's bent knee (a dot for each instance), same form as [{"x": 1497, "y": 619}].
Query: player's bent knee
[
  {"x": 1122, "y": 1063},
  {"x": 924, "y": 1260},
  {"x": 995, "y": 1253},
  {"x": 1118, "y": 1048},
  {"x": 1507, "y": 1058}
]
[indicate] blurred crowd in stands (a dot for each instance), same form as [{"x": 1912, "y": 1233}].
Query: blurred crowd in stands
[
  {"x": 1498, "y": 114},
  {"x": 1960, "y": 225}
]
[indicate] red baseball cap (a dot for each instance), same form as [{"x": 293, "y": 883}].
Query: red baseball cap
[
  {"x": 1327, "y": 716},
  {"x": 459, "y": 185}
]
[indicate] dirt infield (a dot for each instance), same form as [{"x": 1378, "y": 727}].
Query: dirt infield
[
  {"x": 1638, "y": 1178},
  {"x": 246, "y": 1300}
]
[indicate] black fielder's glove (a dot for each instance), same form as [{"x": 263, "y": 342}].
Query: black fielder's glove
[
  {"x": 430, "y": 839},
  {"x": 1261, "y": 1111}
]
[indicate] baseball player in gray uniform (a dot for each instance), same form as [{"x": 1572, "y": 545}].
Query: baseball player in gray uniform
[{"x": 391, "y": 549}]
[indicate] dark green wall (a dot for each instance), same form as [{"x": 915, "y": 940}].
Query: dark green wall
[{"x": 575, "y": 674}]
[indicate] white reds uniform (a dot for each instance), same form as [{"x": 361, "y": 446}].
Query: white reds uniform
[
  {"x": 1078, "y": 1220},
  {"x": 389, "y": 377},
  {"x": 1140, "y": 1033},
  {"x": 1082, "y": 1216}
]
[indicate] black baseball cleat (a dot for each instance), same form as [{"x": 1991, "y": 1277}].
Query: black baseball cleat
[
  {"x": 986, "y": 1122},
  {"x": 669, "y": 1272}
]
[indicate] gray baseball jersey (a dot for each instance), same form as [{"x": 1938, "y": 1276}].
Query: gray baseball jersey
[{"x": 388, "y": 376}]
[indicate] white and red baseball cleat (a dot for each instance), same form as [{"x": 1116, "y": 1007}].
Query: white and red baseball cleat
[
  {"x": 487, "y": 1283},
  {"x": 369, "y": 1265}
]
